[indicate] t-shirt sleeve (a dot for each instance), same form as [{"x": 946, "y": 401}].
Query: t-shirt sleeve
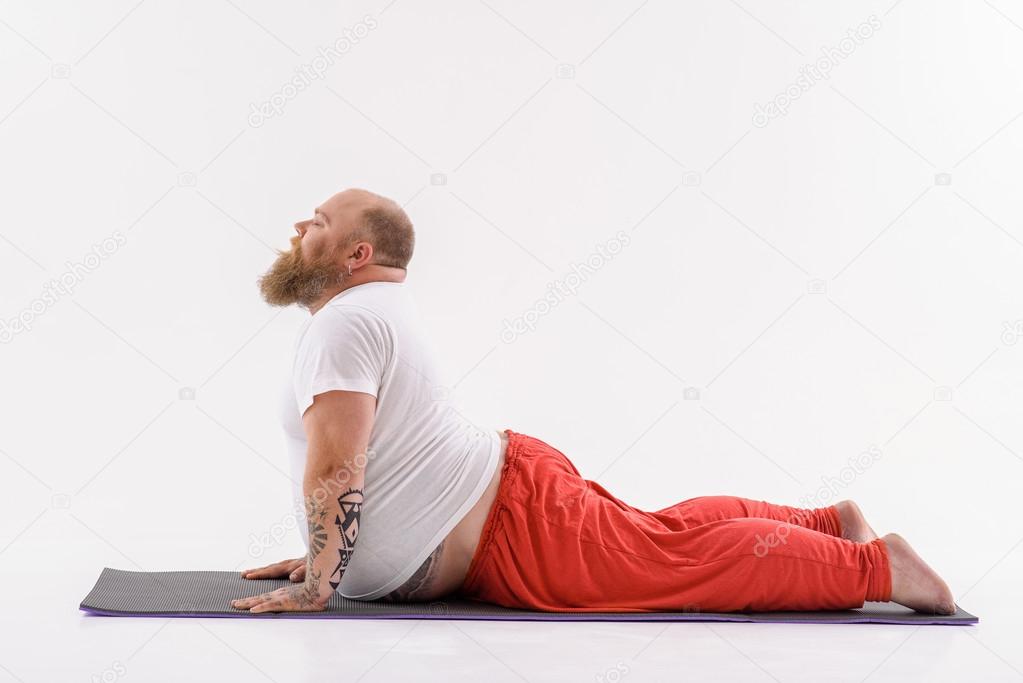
[{"x": 345, "y": 348}]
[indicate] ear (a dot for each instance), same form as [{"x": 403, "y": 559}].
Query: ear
[{"x": 362, "y": 254}]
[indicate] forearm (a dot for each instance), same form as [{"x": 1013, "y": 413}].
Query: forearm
[
  {"x": 338, "y": 426},
  {"x": 333, "y": 503}
]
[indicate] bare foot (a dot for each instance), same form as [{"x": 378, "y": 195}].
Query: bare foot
[
  {"x": 854, "y": 524},
  {"x": 914, "y": 584}
]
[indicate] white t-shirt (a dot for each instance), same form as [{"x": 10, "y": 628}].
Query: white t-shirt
[{"x": 427, "y": 465}]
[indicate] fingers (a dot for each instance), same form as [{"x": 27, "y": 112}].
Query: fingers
[
  {"x": 280, "y": 600},
  {"x": 298, "y": 576},
  {"x": 277, "y": 570},
  {"x": 270, "y": 571},
  {"x": 275, "y": 605},
  {"x": 246, "y": 603}
]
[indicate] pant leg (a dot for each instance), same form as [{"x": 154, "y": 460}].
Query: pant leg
[
  {"x": 704, "y": 509},
  {"x": 744, "y": 564},
  {"x": 553, "y": 542}
]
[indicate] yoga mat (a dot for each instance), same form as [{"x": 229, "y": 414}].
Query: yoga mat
[{"x": 119, "y": 593}]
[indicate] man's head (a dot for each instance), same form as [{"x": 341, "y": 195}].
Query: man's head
[{"x": 354, "y": 237}]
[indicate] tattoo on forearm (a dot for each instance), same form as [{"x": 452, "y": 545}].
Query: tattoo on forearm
[
  {"x": 307, "y": 593},
  {"x": 348, "y": 525},
  {"x": 310, "y": 590},
  {"x": 315, "y": 514}
]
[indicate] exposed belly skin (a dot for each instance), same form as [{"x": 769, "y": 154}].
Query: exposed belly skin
[{"x": 443, "y": 572}]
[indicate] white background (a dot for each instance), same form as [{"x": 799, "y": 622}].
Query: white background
[{"x": 847, "y": 277}]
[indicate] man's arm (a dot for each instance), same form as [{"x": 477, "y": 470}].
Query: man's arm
[{"x": 338, "y": 426}]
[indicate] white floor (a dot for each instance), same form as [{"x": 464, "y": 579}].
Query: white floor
[{"x": 46, "y": 638}]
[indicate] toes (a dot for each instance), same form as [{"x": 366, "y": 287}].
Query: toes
[{"x": 948, "y": 603}]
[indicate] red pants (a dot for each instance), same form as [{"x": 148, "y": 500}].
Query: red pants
[{"x": 557, "y": 542}]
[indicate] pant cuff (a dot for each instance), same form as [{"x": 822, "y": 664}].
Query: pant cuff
[
  {"x": 829, "y": 522},
  {"x": 879, "y": 583}
]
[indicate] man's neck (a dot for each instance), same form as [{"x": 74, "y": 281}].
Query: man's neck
[{"x": 370, "y": 273}]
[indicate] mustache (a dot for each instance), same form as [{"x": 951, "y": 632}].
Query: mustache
[{"x": 295, "y": 243}]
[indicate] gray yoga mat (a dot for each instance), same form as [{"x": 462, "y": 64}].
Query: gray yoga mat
[{"x": 121, "y": 593}]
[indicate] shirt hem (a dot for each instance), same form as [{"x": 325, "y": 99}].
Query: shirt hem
[{"x": 456, "y": 517}]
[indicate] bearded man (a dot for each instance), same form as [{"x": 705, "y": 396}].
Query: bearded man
[{"x": 406, "y": 500}]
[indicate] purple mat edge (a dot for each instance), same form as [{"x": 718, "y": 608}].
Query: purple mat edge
[
  {"x": 561, "y": 616},
  {"x": 488, "y": 613}
]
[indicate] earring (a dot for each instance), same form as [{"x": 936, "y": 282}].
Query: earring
[{"x": 349, "y": 270}]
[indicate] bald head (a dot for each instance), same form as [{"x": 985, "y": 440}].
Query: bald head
[{"x": 360, "y": 215}]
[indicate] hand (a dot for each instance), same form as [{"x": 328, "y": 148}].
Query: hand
[
  {"x": 293, "y": 569},
  {"x": 306, "y": 597}
]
